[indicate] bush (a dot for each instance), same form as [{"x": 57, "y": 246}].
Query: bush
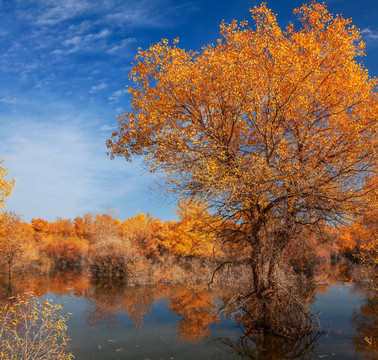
[{"x": 32, "y": 329}]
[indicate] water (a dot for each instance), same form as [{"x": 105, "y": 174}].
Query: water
[{"x": 178, "y": 322}]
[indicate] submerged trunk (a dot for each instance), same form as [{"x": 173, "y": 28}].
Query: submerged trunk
[
  {"x": 266, "y": 257},
  {"x": 264, "y": 277}
]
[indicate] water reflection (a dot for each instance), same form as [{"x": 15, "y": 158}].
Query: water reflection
[
  {"x": 195, "y": 306},
  {"x": 198, "y": 310},
  {"x": 365, "y": 321},
  {"x": 109, "y": 298},
  {"x": 270, "y": 347},
  {"x": 278, "y": 325}
]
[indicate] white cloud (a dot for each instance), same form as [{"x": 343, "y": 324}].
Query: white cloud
[
  {"x": 98, "y": 87},
  {"x": 369, "y": 34},
  {"x": 77, "y": 40},
  {"x": 117, "y": 95},
  {"x": 58, "y": 52},
  {"x": 61, "y": 164},
  {"x": 122, "y": 45},
  {"x": 8, "y": 100},
  {"x": 107, "y": 128},
  {"x": 62, "y": 168},
  {"x": 142, "y": 13},
  {"x": 61, "y": 28},
  {"x": 83, "y": 42},
  {"x": 56, "y": 11},
  {"x": 146, "y": 13}
]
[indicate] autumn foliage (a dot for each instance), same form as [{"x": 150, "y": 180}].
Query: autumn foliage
[
  {"x": 190, "y": 237},
  {"x": 275, "y": 130},
  {"x": 359, "y": 239},
  {"x": 6, "y": 185},
  {"x": 197, "y": 310},
  {"x": 108, "y": 247},
  {"x": 266, "y": 137},
  {"x": 33, "y": 329}
]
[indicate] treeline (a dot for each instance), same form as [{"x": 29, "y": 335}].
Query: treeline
[
  {"x": 106, "y": 246},
  {"x": 144, "y": 249}
]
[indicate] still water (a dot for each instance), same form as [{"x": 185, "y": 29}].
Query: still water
[{"x": 108, "y": 321}]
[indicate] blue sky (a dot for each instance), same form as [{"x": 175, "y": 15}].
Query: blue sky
[{"x": 63, "y": 78}]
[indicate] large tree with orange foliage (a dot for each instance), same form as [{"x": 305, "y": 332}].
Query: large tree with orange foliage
[{"x": 272, "y": 128}]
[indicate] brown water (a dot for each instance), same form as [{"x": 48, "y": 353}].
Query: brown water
[{"x": 113, "y": 321}]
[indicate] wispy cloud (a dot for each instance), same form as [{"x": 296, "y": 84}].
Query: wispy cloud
[
  {"x": 63, "y": 64},
  {"x": 369, "y": 34},
  {"x": 82, "y": 43},
  {"x": 8, "y": 100},
  {"x": 62, "y": 170},
  {"x": 117, "y": 95},
  {"x": 98, "y": 87},
  {"x": 83, "y": 40},
  {"x": 146, "y": 13},
  {"x": 54, "y": 30},
  {"x": 107, "y": 128},
  {"x": 121, "y": 45},
  {"x": 56, "y": 11}
]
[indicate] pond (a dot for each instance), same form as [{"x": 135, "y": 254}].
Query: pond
[{"x": 110, "y": 321}]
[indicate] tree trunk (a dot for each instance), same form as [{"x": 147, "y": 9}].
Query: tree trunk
[
  {"x": 10, "y": 274},
  {"x": 264, "y": 265}
]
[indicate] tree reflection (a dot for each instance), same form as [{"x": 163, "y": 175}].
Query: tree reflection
[
  {"x": 111, "y": 297},
  {"x": 261, "y": 318},
  {"x": 365, "y": 321},
  {"x": 283, "y": 312},
  {"x": 197, "y": 310},
  {"x": 271, "y": 347},
  {"x": 276, "y": 325}
]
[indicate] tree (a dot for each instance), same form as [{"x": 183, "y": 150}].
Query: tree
[
  {"x": 189, "y": 236},
  {"x": 41, "y": 228},
  {"x": 145, "y": 233},
  {"x": 273, "y": 129},
  {"x": 359, "y": 239},
  {"x": 6, "y": 185},
  {"x": 15, "y": 240}
]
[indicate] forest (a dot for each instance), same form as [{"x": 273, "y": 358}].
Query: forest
[{"x": 145, "y": 250}]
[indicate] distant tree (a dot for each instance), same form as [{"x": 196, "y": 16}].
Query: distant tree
[
  {"x": 41, "y": 228},
  {"x": 65, "y": 252},
  {"x": 84, "y": 227},
  {"x": 274, "y": 129},
  {"x": 63, "y": 227},
  {"x": 105, "y": 227},
  {"x": 190, "y": 236},
  {"x": 146, "y": 233},
  {"x": 110, "y": 255},
  {"x": 360, "y": 238}
]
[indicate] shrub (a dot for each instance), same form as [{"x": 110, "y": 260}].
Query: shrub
[{"x": 32, "y": 329}]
